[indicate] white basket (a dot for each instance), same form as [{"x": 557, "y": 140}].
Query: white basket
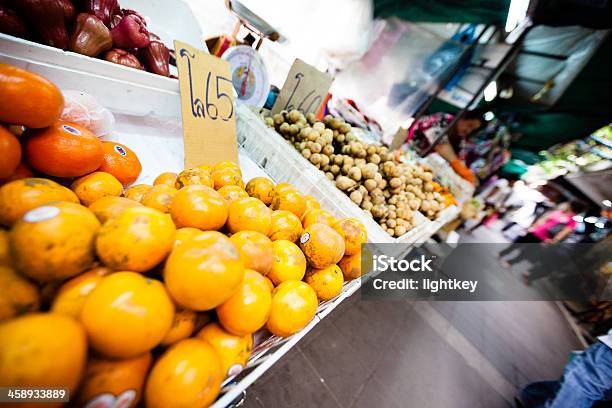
[
  {"x": 170, "y": 20},
  {"x": 283, "y": 163}
]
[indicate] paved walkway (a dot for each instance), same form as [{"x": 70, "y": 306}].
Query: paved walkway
[{"x": 420, "y": 354}]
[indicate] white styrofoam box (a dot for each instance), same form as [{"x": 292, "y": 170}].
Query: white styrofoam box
[
  {"x": 148, "y": 120},
  {"x": 282, "y": 162},
  {"x": 114, "y": 86},
  {"x": 171, "y": 20}
]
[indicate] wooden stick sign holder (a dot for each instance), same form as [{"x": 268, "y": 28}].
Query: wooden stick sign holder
[
  {"x": 207, "y": 106},
  {"x": 305, "y": 89}
]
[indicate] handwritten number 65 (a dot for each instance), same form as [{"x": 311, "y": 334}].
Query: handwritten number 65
[
  {"x": 214, "y": 114},
  {"x": 224, "y": 95}
]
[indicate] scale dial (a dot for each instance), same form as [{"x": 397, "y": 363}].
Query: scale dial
[{"x": 249, "y": 75}]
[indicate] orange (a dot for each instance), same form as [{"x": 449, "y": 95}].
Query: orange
[
  {"x": 289, "y": 262},
  {"x": 234, "y": 351},
  {"x": 22, "y": 171},
  {"x": 182, "y": 327},
  {"x": 136, "y": 240},
  {"x": 188, "y": 374},
  {"x": 316, "y": 215},
  {"x": 137, "y": 192},
  {"x": 326, "y": 282},
  {"x": 294, "y": 304},
  {"x": 185, "y": 234},
  {"x": 5, "y": 255},
  {"x": 290, "y": 200},
  {"x": 127, "y": 315},
  {"x": 42, "y": 350},
  {"x": 353, "y": 233},
  {"x": 351, "y": 266},
  {"x": 54, "y": 241},
  {"x": 322, "y": 245},
  {"x": 268, "y": 283},
  {"x": 120, "y": 161},
  {"x": 255, "y": 250},
  {"x": 249, "y": 214},
  {"x": 29, "y": 99},
  {"x": 109, "y": 207},
  {"x": 10, "y": 151},
  {"x": 248, "y": 309},
  {"x": 285, "y": 225},
  {"x": 120, "y": 381},
  {"x": 63, "y": 150},
  {"x": 227, "y": 177},
  {"x": 71, "y": 296},
  {"x": 20, "y": 196},
  {"x": 193, "y": 176},
  {"x": 225, "y": 165},
  {"x": 17, "y": 295},
  {"x": 311, "y": 202},
  {"x": 262, "y": 188},
  {"x": 280, "y": 187},
  {"x": 232, "y": 193},
  {"x": 205, "y": 167},
  {"x": 159, "y": 197},
  {"x": 260, "y": 280},
  {"x": 96, "y": 185},
  {"x": 204, "y": 272},
  {"x": 199, "y": 207},
  {"x": 167, "y": 178}
]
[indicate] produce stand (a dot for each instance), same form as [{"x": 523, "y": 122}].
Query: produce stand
[
  {"x": 148, "y": 118},
  {"x": 284, "y": 163}
]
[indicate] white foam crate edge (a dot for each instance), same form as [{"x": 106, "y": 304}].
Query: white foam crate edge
[
  {"x": 279, "y": 158},
  {"x": 170, "y": 20}
]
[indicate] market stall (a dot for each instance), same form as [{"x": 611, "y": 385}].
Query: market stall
[{"x": 369, "y": 196}]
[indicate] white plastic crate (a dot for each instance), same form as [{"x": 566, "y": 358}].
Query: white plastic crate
[
  {"x": 281, "y": 161},
  {"x": 170, "y": 20}
]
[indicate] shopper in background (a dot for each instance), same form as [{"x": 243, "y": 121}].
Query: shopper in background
[
  {"x": 550, "y": 228},
  {"x": 428, "y": 129},
  {"x": 586, "y": 381}
]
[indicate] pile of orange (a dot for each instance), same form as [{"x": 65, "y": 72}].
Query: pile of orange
[
  {"x": 50, "y": 146},
  {"x": 95, "y": 276}
]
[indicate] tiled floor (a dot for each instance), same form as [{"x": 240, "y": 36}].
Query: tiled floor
[{"x": 419, "y": 354}]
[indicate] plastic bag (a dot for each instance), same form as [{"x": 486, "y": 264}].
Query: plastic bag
[{"x": 83, "y": 109}]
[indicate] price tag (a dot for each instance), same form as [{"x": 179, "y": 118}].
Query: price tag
[
  {"x": 207, "y": 106},
  {"x": 305, "y": 89}
]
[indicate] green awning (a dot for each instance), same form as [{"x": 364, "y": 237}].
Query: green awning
[{"x": 444, "y": 11}]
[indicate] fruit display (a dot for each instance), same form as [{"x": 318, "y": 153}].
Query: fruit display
[
  {"x": 132, "y": 283},
  {"x": 95, "y": 28},
  {"x": 387, "y": 189},
  {"x": 152, "y": 294}
]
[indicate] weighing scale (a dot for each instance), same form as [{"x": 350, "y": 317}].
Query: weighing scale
[{"x": 249, "y": 75}]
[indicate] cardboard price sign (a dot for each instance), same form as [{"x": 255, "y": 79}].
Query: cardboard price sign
[
  {"x": 207, "y": 106},
  {"x": 305, "y": 89}
]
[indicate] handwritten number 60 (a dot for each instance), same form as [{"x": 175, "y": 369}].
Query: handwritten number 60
[{"x": 303, "y": 106}]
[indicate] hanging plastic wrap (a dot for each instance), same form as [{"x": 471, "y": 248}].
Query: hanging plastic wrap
[
  {"x": 405, "y": 63},
  {"x": 83, "y": 109}
]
